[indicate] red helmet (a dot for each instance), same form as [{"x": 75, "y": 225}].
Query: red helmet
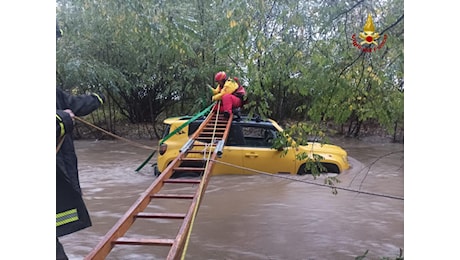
[{"x": 220, "y": 76}]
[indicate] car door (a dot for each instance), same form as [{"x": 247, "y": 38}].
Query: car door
[
  {"x": 231, "y": 161},
  {"x": 258, "y": 154}
]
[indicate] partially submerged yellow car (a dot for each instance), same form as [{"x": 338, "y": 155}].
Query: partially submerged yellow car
[{"x": 249, "y": 147}]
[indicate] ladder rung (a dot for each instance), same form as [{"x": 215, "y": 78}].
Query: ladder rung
[
  {"x": 192, "y": 159},
  {"x": 180, "y": 180},
  {"x": 199, "y": 147},
  {"x": 144, "y": 241},
  {"x": 220, "y": 122},
  {"x": 210, "y": 131},
  {"x": 189, "y": 169},
  {"x": 205, "y": 144},
  {"x": 219, "y": 126},
  {"x": 172, "y": 196},
  {"x": 159, "y": 215},
  {"x": 208, "y": 140},
  {"x": 199, "y": 151}
]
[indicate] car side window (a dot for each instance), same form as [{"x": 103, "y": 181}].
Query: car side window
[
  {"x": 235, "y": 137},
  {"x": 255, "y": 136}
]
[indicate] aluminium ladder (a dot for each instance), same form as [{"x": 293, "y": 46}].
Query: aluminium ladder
[{"x": 193, "y": 157}]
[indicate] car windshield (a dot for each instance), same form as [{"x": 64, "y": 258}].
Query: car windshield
[{"x": 167, "y": 127}]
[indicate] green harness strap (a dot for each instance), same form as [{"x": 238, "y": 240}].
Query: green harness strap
[
  {"x": 146, "y": 161},
  {"x": 195, "y": 117}
]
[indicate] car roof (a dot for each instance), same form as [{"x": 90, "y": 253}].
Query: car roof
[{"x": 245, "y": 119}]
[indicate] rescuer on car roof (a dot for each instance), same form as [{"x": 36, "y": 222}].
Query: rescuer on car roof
[{"x": 229, "y": 92}]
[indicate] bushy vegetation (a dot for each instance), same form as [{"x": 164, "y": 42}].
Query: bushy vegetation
[{"x": 153, "y": 59}]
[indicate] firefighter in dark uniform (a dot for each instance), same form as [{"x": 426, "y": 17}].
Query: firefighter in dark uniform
[{"x": 71, "y": 212}]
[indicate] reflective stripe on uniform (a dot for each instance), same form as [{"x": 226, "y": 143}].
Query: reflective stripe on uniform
[
  {"x": 66, "y": 217},
  {"x": 98, "y": 97},
  {"x": 61, "y": 125}
]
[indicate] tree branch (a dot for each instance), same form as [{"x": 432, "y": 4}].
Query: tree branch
[
  {"x": 346, "y": 11},
  {"x": 393, "y": 25},
  {"x": 349, "y": 65}
]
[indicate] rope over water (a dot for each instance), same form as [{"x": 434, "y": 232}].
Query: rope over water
[
  {"x": 314, "y": 183},
  {"x": 113, "y": 135}
]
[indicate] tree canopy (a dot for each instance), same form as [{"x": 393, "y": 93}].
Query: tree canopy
[{"x": 298, "y": 59}]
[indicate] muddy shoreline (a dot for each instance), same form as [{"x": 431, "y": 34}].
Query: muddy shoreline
[{"x": 368, "y": 133}]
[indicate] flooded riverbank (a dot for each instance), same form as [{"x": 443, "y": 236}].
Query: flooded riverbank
[{"x": 257, "y": 216}]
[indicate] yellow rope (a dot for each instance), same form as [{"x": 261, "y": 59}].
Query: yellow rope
[
  {"x": 113, "y": 135},
  {"x": 310, "y": 182},
  {"x": 195, "y": 210},
  {"x": 61, "y": 141}
]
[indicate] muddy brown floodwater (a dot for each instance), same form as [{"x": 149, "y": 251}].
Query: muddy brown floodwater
[{"x": 256, "y": 216}]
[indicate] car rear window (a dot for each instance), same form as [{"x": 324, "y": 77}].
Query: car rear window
[{"x": 193, "y": 126}]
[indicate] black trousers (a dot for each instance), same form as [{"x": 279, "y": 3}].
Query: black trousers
[{"x": 60, "y": 254}]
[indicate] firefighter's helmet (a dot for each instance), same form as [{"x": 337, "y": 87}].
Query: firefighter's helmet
[{"x": 220, "y": 76}]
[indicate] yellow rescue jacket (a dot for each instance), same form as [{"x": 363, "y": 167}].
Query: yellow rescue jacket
[{"x": 229, "y": 87}]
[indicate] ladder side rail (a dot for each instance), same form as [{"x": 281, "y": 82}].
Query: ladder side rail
[
  {"x": 125, "y": 222},
  {"x": 227, "y": 129},
  {"x": 216, "y": 154},
  {"x": 122, "y": 226},
  {"x": 202, "y": 125},
  {"x": 178, "y": 247}
]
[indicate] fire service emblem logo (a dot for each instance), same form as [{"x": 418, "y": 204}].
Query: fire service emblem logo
[{"x": 369, "y": 37}]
